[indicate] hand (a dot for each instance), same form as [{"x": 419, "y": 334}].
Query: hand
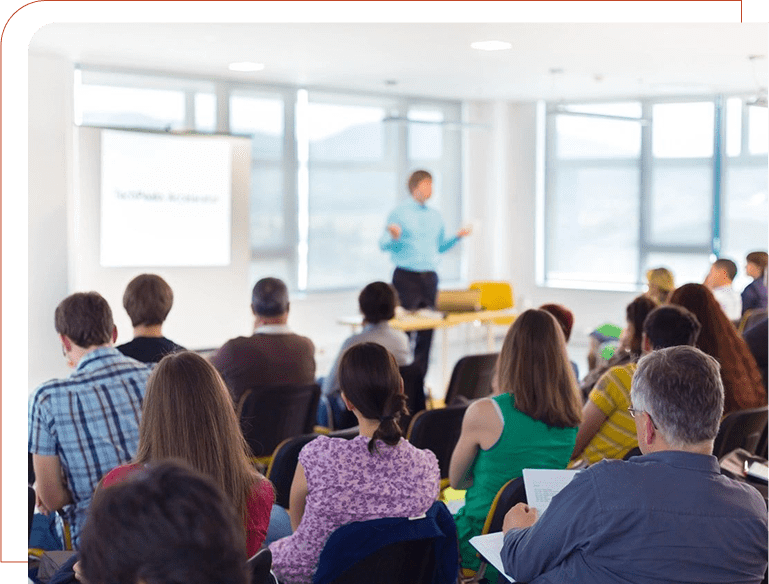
[
  {"x": 78, "y": 572},
  {"x": 465, "y": 231},
  {"x": 41, "y": 506},
  {"x": 395, "y": 230},
  {"x": 519, "y": 516}
]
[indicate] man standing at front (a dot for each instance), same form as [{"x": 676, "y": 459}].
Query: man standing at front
[
  {"x": 667, "y": 516},
  {"x": 415, "y": 237},
  {"x": 83, "y": 426}
]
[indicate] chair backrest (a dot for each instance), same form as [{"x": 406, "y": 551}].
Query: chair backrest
[
  {"x": 392, "y": 550},
  {"x": 283, "y": 466},
  {"x": 495, "y": 295},
  {"x": 269, "y": 415},
  {"x": 741, "y": 429},
  {"x": 260, "y": 565},
  {"x": 471, "y": 378},
  {"x": 511, "y": 493},
  {"x": 438, "y": 430},
  {"x": 635, "y": 451},
  {"x": 751, "y": 317},
  {"x": 414, "y": 387}
]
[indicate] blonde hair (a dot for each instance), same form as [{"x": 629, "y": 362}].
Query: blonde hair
[
  {"x": 188, "y": 414},
  {"x": 534, "y": 367}
]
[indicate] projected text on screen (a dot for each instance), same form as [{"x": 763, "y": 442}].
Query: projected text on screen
[{"x": 165, "y": 200}]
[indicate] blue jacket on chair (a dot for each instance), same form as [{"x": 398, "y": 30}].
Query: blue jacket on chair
[{"x": 355, "y": 541}]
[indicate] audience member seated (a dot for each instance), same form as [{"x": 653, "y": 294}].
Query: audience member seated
[
  {"x": 754, "y": 294},
  {"x": 666, "y": 516},
  {"x": 607, "y": 429},
  {"x": 376, "y": 474},
  {"x": 531, "y": 423},
  {"x": 719, "y": 338},
  {"x": 167, "y": 524},
  {"x": 377, "y": 302},
  {"x": 188, "y": 415},
  {"x": 147, "y": 300},
  {"x": 719, "y": 281},
  {"x": 273, "y": 355},
  {"x": 659, "y": 284},
  {"x": 88, "y": 423},
  {"x": 756, "y": 340},
  {"x": 565, "y": 318},
  {"x": 629, "y": 350}
]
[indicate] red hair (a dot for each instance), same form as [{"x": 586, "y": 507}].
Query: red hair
[{"x": 718, "y": 338}]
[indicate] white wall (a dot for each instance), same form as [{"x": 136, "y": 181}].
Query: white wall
[
  {"x": 499, "y": 181},
  {"x": 50, "y": 186}
]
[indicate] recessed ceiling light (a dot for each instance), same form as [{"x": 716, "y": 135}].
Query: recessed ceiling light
[
  {"x": 491, "y": 45},
  {"x": 246, "y": 66}
]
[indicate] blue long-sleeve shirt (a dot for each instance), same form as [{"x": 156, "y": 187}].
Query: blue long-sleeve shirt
[
  {"x": 422, "y": 237},
  {"x": 664, "y": 517}
]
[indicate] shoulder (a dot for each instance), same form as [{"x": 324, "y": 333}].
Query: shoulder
[
  {"x": 426, "y": 456},
  {"x": 300, "y": 340},
  {"x": 119, "y": 474},
  {"x": 262, "y": 493}
]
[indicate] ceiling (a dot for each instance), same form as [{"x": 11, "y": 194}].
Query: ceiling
[{"x": 547, "y": 61}]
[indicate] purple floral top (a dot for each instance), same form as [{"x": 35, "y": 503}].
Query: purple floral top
[{"x": 346, "y": 483}]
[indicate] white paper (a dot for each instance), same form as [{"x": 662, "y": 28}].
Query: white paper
[
  {"x": 490, "y": 547},
  {"x": 454, "y": 505},
  {"x": 759, "y": 471},
  {"x": 543, "y": 484}
]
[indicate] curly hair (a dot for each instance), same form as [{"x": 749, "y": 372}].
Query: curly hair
[{"x": 719, "y": 339}]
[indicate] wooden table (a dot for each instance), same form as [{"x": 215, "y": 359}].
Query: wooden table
[{"x": 414, "y": 321}]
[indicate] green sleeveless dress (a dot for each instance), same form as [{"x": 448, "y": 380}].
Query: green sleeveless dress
[{"x": 524, "y": 443}]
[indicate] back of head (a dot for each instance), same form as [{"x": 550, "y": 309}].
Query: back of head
[
  {"x": 636, "y": 313},
  {"x": 662, "y": 278},
  {"x": 269, "y": 297},
  {"x": 147, "y": 300},
  {"x": 166, "y": 525},
  {"x": 86, "y": 318},
  {"x": 377, "y": 302},
  {"x": 716, "y": 328},
  {"x": 671, "y": 325},
  {"x": 681, "y": 389},
  {"x": 417, "y": 177},
  {"x": 563, "y": 315},
  {"x": 728, "y": 266},
  {"x": 188, "y": 414},
  {"x": 760, "y": 258},
  {"x": 371, "y": 381},
  {"x": 534, "y": 367},
  {"x": 720, "y": 339}
]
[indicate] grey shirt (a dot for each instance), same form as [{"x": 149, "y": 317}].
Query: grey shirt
[
  {"x": 395, "y": 341},
  {"x": 664, "y": 517}
]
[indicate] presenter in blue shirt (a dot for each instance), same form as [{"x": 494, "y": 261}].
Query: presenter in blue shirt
[{"x": 415, "y": 237}]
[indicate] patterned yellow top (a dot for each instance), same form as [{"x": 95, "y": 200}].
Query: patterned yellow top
[{"x": 617, "y": 434}]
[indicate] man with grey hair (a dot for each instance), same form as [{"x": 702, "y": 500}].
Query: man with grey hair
[
  {"x": 273, "y": 355},
  {"x": 666, "y": 516}
]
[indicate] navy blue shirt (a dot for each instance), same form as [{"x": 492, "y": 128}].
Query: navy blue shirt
[
  {"x": 754, "y": 295},
  {"x": 664, "y": 517}
]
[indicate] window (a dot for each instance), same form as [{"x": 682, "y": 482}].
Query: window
[
  {"x": 635, "y": 185},
  {"x": 326, "y": 167}
]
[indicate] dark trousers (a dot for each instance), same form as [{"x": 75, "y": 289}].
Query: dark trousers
[{"x": 417, "y": 290}]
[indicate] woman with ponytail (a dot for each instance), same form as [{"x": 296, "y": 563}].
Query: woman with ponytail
[{"x": 376, "y": 474}]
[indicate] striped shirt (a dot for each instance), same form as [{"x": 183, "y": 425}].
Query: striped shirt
[
  {"x": 617, "y": 434},
  {"x": 90, "y": 420}
]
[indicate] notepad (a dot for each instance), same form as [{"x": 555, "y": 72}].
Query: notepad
[
  {"x": 543, "y": 484},
  {"x": 490, "y": 547}
]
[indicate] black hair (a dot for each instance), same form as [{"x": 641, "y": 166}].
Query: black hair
[
  {"x": 670, "y": 326},
  {"x": 378, "y": 301},
  {"x": 165, "y": 525},
  {"x": 269, "y": 297},
  {"x": 370, "y": 380}
]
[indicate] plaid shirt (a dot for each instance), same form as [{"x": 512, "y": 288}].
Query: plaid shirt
[{"x": 90, "y": 420}]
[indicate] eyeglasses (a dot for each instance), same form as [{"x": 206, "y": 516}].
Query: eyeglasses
[{"x": 634, "y": 411}]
